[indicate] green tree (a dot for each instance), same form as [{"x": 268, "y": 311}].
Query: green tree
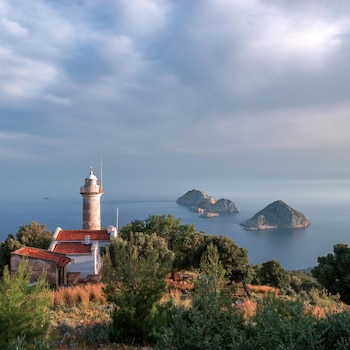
[
  {"x": 301, "y": 281},
  {"x": 251, "y": 274},
  {"x": 273, "y": 274},
  {"x": 10, "y": 245},
  {"x": 136, "y": 287},
  {"x": 212, "y": 275},
  {"x": 165, "y": 226},
  {"x": 193, "y": 245},
  {"x": 23, "y": 308},
  {"x": 333, "y": 272},
  {"x": 233, "y": 257},
  {"x": 189, "y": 244},
  {"x": 34, "y": 235},
  {"x": 191, "y": 248}
]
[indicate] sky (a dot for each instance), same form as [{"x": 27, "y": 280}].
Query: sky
[{"x": 172, "y": 95}]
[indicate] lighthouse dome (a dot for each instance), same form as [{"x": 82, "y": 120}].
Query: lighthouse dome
[{"x": 91, "y": 176}]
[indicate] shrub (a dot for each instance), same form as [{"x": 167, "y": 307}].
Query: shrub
[
  {"x": 136, "y": 289},
  {"x": 208, "y": 324},
  {"x": 24, "y": 313},
  {"x": 334, "y": 329},
  {"x": 282, "y": 324}
]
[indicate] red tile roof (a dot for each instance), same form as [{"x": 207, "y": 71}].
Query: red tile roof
[
  {"x": 37, "y": 253},
  {"x": 72, "y": 248},
  {"x": 79, "y": 235}
]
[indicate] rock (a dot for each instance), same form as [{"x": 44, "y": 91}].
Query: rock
[
  {"x": 276, "y": 215},
  {"x": 202, "y": 203}
]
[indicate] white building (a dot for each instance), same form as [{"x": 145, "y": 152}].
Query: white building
[{"x": 83, "y": 246}]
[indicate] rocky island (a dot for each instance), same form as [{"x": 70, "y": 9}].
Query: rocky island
[
  {"x": 206, "y": 205},
  {"x": 276, "y": 215}
]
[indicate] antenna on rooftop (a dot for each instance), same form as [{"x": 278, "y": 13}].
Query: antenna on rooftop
[
  {"x": 117, "y": 218},
  {"x": 101, "y": 170}
]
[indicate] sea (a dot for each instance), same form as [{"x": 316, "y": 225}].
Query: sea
[{"x": 325, "y": 203}]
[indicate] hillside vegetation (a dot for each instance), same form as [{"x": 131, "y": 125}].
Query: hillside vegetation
[{"x": 167, "y": 286}]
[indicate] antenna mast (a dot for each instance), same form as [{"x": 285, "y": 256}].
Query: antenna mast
[
  {"x": 101, "y": 170},
  {"x": 117, "y": 218}
]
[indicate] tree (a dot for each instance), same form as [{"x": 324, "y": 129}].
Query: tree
[
  {"x": 165, "y": 226},
  {"x": 191, "y": 248},
  {"x": 34, "y": 235},
  {"x": 23, "y": 308},
  {"x": 10, "y": 245},
  {"x": 189, "y": 244},
  {"x": 251, "y": 274},
  {"x": 136, "y": 287},
  {"x": 333, "y": 273},
  {"x": 233, "y": 257},
  {"x": 273, "y": 274},
  {"x": 212, "y": 272}
]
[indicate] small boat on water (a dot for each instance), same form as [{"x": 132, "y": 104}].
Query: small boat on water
[{"x": 208, "y": 214}]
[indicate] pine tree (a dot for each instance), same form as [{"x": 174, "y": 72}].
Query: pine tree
[
  {"x": 23, "y": 307},
  {"x": 212, "y": 272},
  {"x": 137, "y": 286}
]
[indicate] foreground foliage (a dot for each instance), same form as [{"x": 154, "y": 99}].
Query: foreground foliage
[
  {"x": 136, "y": 286},
  {"x": 24, "y": 309},
  {"x": 32, "y": 235},
  {"x": 131, "y": 308},
  {"x": 333, "y": 272}
]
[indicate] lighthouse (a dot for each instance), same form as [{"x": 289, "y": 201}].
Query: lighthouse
[{"x": 91, "y": 193}]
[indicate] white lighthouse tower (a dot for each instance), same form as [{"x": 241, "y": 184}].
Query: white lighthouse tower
[{"x": 91, "y": 193}]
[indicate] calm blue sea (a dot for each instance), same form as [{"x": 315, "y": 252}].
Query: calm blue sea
[{"x": 326, "y": 204}]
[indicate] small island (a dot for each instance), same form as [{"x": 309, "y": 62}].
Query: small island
[
  {"x": 276, "y": 215},
  {"x": 206, "y": 206}
]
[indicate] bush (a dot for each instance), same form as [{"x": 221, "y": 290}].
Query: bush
[
  {"x": 213, "y": 322},
  {"x": 24, "y": 309},
  {"x": 335, "y": 331},
  {"x": 208, "y": 324},
  {"x": 136, "y": 288},
  {"x": 281, "y": 324}
]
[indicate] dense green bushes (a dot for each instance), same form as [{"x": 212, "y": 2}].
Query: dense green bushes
[{"x": 278, "y": 324}]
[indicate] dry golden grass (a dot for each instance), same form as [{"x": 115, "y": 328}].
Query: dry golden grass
[
  {"x": 248, "y": 306},
  {"x": 83, "y": 295},
  {"x": 263, "y": 289},
  {"x": 323, "y": 311},
  {"x": 177, "y": 297}
]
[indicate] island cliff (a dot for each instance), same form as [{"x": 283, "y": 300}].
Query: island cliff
[
  {"x": 276, "y": 215},
  {"x": 206, "y": 205}
]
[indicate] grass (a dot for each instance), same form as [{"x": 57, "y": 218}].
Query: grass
[
  {"x": 81, "y": 295},
  {"x": 263, "y": 289}
]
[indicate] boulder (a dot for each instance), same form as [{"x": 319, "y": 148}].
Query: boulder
[{"x": 276, "y": 215}]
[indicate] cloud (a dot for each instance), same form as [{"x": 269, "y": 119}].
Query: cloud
[
  {"x": 143, "y": 19},
  {"x": 22, "y": 146},
  {"x": 13, "y": 28},
  {"x": 152, "y": 82}
]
